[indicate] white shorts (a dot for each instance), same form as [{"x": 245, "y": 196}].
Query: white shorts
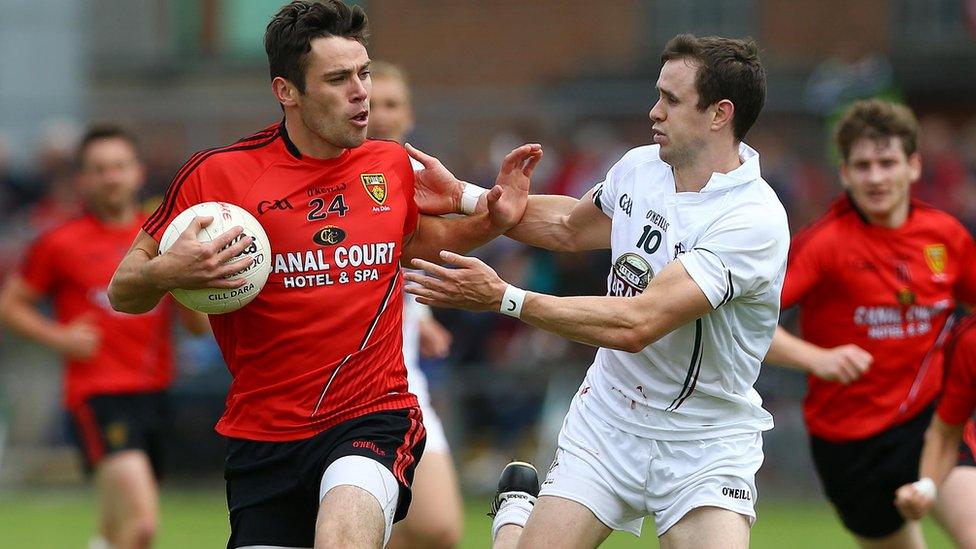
[
  {"x": 436, "y": 439},
  {"x": 622, "y": 477}
]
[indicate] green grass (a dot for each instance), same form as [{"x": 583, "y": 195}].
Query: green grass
[{"x": 198, "y": 519}]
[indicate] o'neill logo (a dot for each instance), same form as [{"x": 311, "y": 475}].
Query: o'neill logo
[
  {"x": 375, "y": 184},
  {"x": 737, "y": 493},
  {"x": 630, "y": 275},
  {"x": 368, "y": 445},
  {"x": 329, "y": 236}
]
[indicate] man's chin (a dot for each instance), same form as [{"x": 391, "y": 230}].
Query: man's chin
[{"x": 354, "y": 140}]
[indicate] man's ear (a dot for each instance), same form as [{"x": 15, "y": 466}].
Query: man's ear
[{"x": 285, "y": 92}]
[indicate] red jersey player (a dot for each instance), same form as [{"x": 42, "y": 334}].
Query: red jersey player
[
  {"x": 118, "y": 366},
  {"x": 950, "y": 446},
  {"x": 876, "y": 280},
  {"x": 323, "y": 432}
]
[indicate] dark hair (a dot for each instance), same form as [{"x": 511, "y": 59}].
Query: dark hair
[
  {"x": 104, "y": 131},
  {"x": 877, "y": 119},
  {"x": 289, "y": 35},
  {"x": 727, "y": 69}
]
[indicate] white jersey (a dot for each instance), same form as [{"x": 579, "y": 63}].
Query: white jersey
[{"x": 732, "y": 238}]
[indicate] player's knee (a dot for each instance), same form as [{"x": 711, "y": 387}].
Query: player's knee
[{"x": 144, "y": 532}]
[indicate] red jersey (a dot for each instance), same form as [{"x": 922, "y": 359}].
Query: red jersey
[
  {"x": 958, "y": 400},
  {"x": 74, "y": 264},
  {"x": 322, "y": 343},
  {"x": 890, "y": 291}
]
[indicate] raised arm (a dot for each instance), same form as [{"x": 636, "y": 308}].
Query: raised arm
[
  {"x": 843, "y": 364},
  {"x": 562, "y": 223},
  {"x": 504, "y": 206},
  {"x": 145, "y": 275}
]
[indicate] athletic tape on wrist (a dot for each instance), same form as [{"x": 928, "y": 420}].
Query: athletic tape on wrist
[
  {"x": 469, "y": 197},
  {"x": 512, "y": 301},
  {"x": 926, "y": 487}
]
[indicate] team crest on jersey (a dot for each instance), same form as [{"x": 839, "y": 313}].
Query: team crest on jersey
[
  {"x": 375, "y": 184},
  {"x": 935, "y": 256},
  {"x": 630, "y": 275}
]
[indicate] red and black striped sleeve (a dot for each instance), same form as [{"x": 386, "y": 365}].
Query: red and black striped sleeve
[
  {"x": 183, "y": 192},
  {"x": 187, "y": 187}
]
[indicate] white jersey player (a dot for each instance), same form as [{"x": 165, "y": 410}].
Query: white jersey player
[{"x": 667, "y": 422}]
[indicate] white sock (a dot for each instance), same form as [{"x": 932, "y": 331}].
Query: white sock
[
  {"x": 514, "y": 510},
  {"x": 98, "y": 542}
]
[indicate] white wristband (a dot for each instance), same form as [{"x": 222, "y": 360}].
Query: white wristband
[
  {"x": 926, "y": 487},
  {"x": 469, "y": 197},
  {"x": 512, "y": 301}
]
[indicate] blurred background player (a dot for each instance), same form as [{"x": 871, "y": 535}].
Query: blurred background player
[
  {"x": 876, "y": 280},
  {"x": 118, "y": 366},
  {"x": 947, "y": 471},
  {"x": 435, "y": 518}
]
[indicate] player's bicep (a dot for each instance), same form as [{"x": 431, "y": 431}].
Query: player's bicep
[
  {"x": 588, "y": 224},
  {"x": 673, "y": 299}
]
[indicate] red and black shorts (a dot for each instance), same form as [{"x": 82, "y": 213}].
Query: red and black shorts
[
  {"x": 273, "y": 487},
  {"x": 106, "y": 424}
]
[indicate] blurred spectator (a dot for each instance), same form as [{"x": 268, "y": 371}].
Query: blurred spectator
[{"x": 943, "y": 167}]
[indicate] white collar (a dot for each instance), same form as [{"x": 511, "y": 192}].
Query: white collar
[{"x": 747, "y": 172}]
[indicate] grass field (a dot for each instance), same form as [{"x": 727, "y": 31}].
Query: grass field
[{"x": 197, "y": 519}]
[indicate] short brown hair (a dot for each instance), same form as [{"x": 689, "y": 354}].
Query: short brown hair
[
  {"x": 876, "y": 119},
  {"x": 104, "y": 131},
  {"x": 288, "y": 38},
  {"x": 727, "y": 69}
]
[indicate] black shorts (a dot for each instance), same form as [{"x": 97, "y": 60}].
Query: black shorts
[
  {"x": 860, "y": 477},
  {"x": 273, "y": 487},
  {"x": 106, "y": 424}
]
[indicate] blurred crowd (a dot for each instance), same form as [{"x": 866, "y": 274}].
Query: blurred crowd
[{"x": 495, "y": 387}]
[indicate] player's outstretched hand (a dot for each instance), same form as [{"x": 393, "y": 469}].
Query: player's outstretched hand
[
  {"x": 843, "y": 364},
  {"x": 436, "y": 190},
  {"x": 79, "y": 338},
  {"x": 506, "y": 201},
  {"x": 190, "y": 264},
  {"x": 472, "y": 285},
  {"x": 912, "y": 503}
]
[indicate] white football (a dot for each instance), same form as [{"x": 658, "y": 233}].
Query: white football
[{"x": 226, "y": 216}]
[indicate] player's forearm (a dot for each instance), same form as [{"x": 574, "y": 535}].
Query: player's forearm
[
  {"x": 134, "y": 287},
  {"x": 941, "y": 450},
  {"x": 456, "y": 234},
  {"x": 612, "y": 322},
  {"x": 789, "y": 351},
  {"x": 545, "y": 223},
  {"x": 24, "y": 319}
]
